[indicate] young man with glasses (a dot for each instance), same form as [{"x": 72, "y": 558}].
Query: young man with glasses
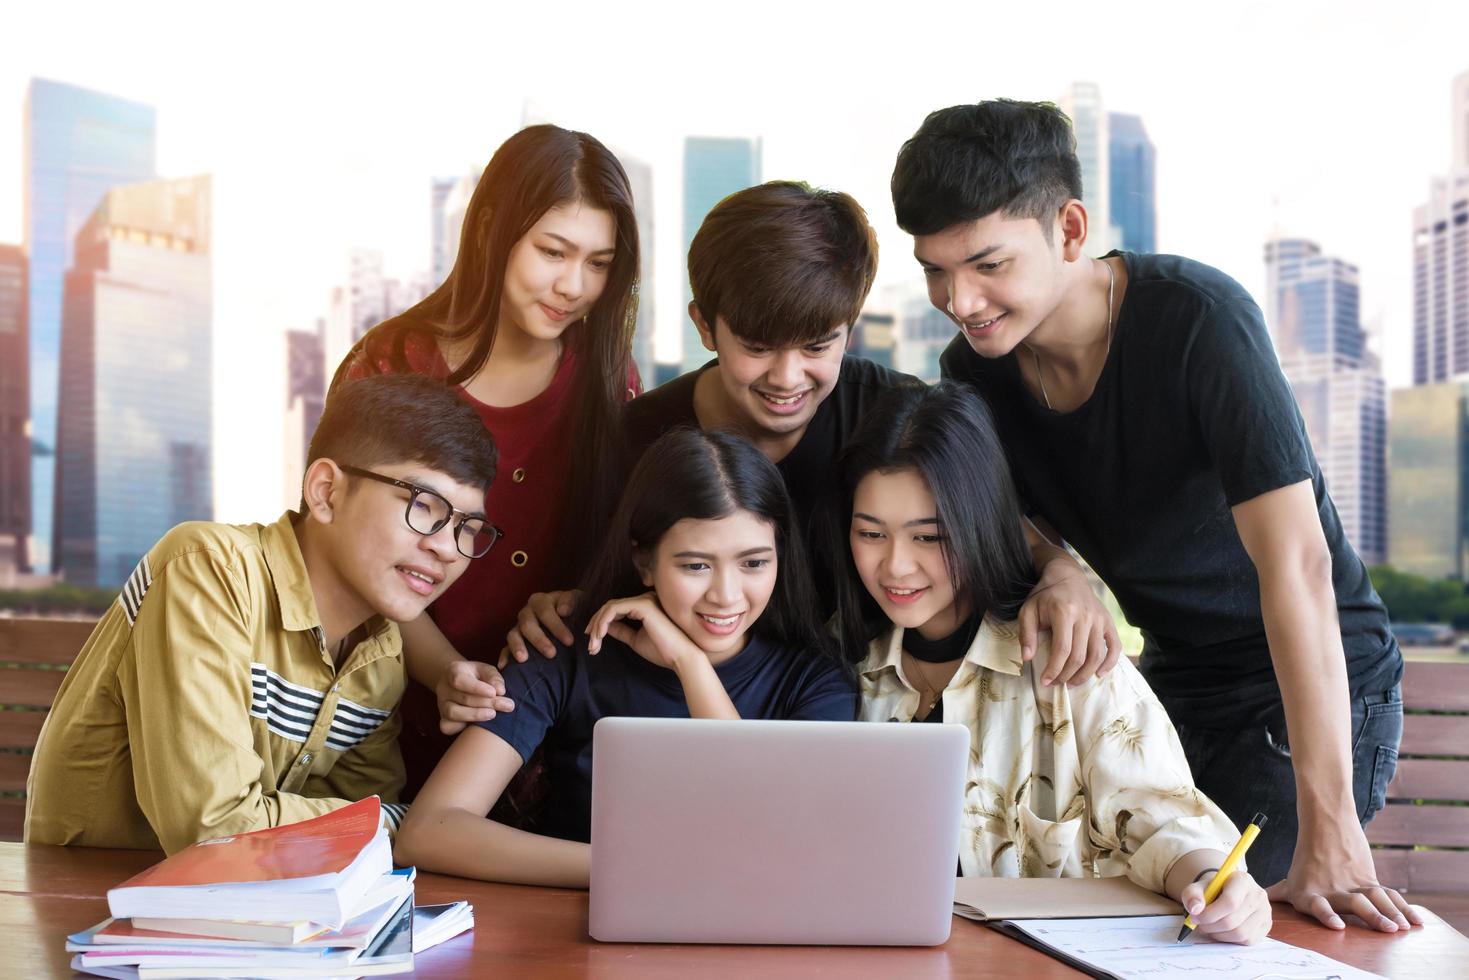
[{"x": 249, "y": 675}]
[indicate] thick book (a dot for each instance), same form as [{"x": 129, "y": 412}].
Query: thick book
[
  {"x": 358, "y": 932},
  {"x": 391, "y": 951},
  {"x": 314, "y": 871}
]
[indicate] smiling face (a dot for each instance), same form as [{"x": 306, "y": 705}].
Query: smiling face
[
  {"x": 558, "y": 270},
  {"x": 386, "y": 566},
  {"x": 999, "y": 278},
  {"x": 714, "y": 578},
  {"x": 773, "y": 392},
  {"x": 897, "y": 549}
]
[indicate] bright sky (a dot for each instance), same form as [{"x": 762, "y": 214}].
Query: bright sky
[{"x": 323, "y": 122}]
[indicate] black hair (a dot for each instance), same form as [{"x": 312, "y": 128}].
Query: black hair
[
  {"x": 969, "y": 161},
  {"x": 690, "y": 473},
  {"x": 404, "y": 418},
  {"x": 945, "y": 434}
]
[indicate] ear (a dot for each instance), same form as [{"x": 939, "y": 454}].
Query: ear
[
  {"x": 1071, "y": 229},
  {"x": 643, "y": 562},
  {"x": 322, "y": 489},
  {"x": 706, "y": 332}
]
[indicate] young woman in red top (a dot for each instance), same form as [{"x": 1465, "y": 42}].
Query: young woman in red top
[{"x": 534, "y": 325}]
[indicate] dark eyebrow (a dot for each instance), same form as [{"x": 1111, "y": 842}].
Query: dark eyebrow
[
  {"x": 977, "y": 256},
  {"x": 823, "y": 340},
  {"x": 574, "y": 246},
  {"x": 872, "y": 520},
  {"x": 743, "y": 554}
]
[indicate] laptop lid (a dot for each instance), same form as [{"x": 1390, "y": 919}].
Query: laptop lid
[{"x": 827, "y": 833}]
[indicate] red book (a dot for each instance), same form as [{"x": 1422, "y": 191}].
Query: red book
[{"x": 312, "y": 870}]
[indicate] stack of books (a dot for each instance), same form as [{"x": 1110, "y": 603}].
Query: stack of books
[{"x": 318, "y": 898}]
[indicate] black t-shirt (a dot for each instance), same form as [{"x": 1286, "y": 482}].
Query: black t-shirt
[
  {"x": 1191, "y": 415},
  {"x": 557, "y": 701},
  {"x": 805, "y": 468}
]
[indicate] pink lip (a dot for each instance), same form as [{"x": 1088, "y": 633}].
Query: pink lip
[
  {"x": 417, "y": 584},
  {"x": 978, "y": 332},
  {"x": 553, "y": 313},
  {"x": 904, "y": 600},
  {"x": 720, "y": 630},
  {"x": 788, "y": 409}
]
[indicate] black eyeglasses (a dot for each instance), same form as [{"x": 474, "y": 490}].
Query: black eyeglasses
[{"x": 428, "y": 512}]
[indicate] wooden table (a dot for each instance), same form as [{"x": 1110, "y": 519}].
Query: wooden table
[{"x": 48, "y": 892}]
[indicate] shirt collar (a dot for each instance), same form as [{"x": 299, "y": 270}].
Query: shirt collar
[
  {"x": 996, "y": 646},
  {"x": 288, "y": 574},
  {"x": 297, "y": 601}
]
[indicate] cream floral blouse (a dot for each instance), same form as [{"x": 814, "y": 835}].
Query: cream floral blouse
[{"x": 1087, "y": 781}]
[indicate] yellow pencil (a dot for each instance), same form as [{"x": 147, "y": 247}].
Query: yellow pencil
[{"x": 1225, "y": 870}]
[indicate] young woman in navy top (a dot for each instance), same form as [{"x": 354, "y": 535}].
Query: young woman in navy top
[{"x": 698, "y": 606}]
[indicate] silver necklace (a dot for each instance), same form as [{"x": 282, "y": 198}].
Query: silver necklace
[{"x": 1040, "y": 376}]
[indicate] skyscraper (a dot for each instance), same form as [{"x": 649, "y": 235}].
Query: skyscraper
[
  {"x": 449, "y": 201},
  {"x": 78, "y": 145},
  {"x": 713, "y": 169},
  {"x": 134, "y": 428},
  {"x": 1345, "y": 409},
  {"x": 1133, "y": 164},
  {"x": 640, "y": 177},
  {"x": 923, "y": 333},
  {"x": 357, "y": 305},
  {"x": 15, "y": 412},
  {"x": 1311, "y": 303},
  {"x": 875, "y": 337},
  {"x": 305, "y": 398},
  {"x": 1429, "y": 489},
  {"x": 1083, "y": 103},
  {"x": 1441, "y": 262},
  {"x": 1313, "y": 311},
  {"x": 438, "y": 195}
]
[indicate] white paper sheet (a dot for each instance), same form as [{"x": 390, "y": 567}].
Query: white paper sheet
[{"x": 1146, "y": 947}]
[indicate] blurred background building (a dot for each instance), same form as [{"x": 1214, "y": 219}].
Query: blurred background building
[
  {"x": 713, "y": 169},
  {"x": 134, "y": 431},
  {"x": 1312, "y": 306},
  {"x": 15, "y": 447},
  {"x": 78, "y": 144}
]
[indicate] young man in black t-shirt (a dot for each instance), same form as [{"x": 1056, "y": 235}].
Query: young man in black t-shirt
[
  {"x": 779, "y": 273},
  {"x": 1147, "y": 421}
]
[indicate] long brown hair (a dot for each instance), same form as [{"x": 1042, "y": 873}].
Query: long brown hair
[{"x": 533, "y": 171}]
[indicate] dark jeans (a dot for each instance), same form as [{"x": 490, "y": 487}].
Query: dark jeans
[{"x": 1248, "y": 771}]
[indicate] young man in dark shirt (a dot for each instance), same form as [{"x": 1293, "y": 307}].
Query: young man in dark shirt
[
  {"x": 1147, "y": 421},
  {"x": 779, "y": 273}
]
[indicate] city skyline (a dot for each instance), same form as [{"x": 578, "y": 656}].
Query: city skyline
[
  {"x": 79, "y": 144},
  {"x": 134, "y": 447},
  {"x": 306, "y": 169}
]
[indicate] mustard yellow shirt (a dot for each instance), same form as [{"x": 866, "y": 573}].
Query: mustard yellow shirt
[
  {"x": 206, "y": 704},
  {"x": 1062, "y": 782}
]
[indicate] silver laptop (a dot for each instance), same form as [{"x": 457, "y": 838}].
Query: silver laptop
[{"x": 814, "y": 832}]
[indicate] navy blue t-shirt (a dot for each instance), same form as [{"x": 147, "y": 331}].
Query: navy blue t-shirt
[{"x": 557, "y": 701}]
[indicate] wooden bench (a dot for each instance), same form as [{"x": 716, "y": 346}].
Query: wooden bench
[
  {"x": 34, "y": 655},
  {"x": 1421, "y": 838}
]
